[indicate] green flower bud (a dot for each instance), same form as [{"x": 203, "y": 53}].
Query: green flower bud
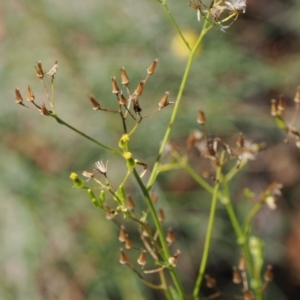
[
  {"x": 78, "y": 183},
  {"x": 93, "y": 198}
]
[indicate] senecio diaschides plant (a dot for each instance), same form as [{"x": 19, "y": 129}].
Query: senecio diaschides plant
[{"x": 158, "y": 255}]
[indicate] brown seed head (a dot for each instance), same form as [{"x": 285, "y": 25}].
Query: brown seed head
[
  {"x": 273, "y": 108},
  {"x": 297, "y": 95},
  {"x": 95, "y": 104},
  {"x": 18, "y": 96},
  {"x": 128, "y": 242},
  {"x": 248, "y": 295},
  {"x": 44, "y": 110},
  {"x": 173, "y": 259},
  {"x": 240, "y": 141},
  {"x": 161, "y": 215},
  {"x": 114, "y": 86},
  {"x": 122, "y": 234},
  {"x": 164, "y": 101},
  {"x": 39, "y": 70},
  {"x": 122, "y": 99},
  {"x": 210, "y": 281},
  {"x": 170, "y": 238},
  {"x": 124, "y": 77},
  {"x": 236, "y": 276},
  {"x": 129, "y": 203},
  {"x": 281, "y": 104},
  {"x": 30, "y": 96},
  {"x": 242, "y": 263},
  {"x": 151, "y": 69},
  {"x": 268, "y": 276},
  {"x": 195, "y": 4},
  {"x": 201, "y": 117},
  {"x": 123, "y": 259},
  {"x": 140, "y": 88},
  {"x": 142, "y": 260}
]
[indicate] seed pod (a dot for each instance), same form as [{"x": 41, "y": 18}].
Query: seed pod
[
  {"x": 122, "y": 234},
  {"x": 164, "y": 101},
  {"x": 281, "y": 104},
  {"x": 140, "y": 88},
  {"x": 124, "y": 77},
  {"x": 95, "y": 104},
  {"x": 161, "y": 215},
  {"x": 170, "y": 238},
  {"x": 18, "y": 96},
  {"x": 210, "y": 281},
  {"x": 114, "y": 85},
  {"x": 236, "y": 276},
  {"x": 142, "y": 260},
  {"x": 39, "y": 70},
  {"x": 123, "y": 259},
  {"x": 273, "y": 108},
  {"x": 30, "y": 96},
  {"x": 201, "y": 117},
  {"x": 151, "y": 69},
  {"x": 268, "y": 276}
]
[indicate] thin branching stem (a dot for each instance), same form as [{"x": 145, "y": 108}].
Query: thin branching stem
[{"x": 209, "y": 230}]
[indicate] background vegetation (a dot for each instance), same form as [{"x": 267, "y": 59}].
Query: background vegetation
[{"x": 54, "y": 245}]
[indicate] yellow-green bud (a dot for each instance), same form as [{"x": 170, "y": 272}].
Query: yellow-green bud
[
  {"x": 78, "y": 183},
  {"x": 93, "y": 198}
]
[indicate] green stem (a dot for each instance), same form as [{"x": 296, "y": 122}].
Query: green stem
[
  {"x": 155, "y": 170},
  {"x": 251, "y": 214},
  {"x": 60, "y": 121},
  {"x": 166, "y": 8},
  {"x": 209, "y": 231},
  {"x": 157, "y": 224}
]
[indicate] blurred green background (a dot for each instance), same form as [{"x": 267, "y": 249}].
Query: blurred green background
[{"x": 54, "y": 244}]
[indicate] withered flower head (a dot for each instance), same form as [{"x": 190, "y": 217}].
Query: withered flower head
[
  {"x": 170, "y": 236},
  {"x": 297, "y": 95},
  {"x": 124, "y": 77},
  {"x": 201, "y": 117},
  {"x": 140, "y": 88},
  {"x": 142, "y": 260},
  {"x": 268, "y": 276},
  {"x": 273, "y": 108},
  {"x": 39, "y": 70},
  {"x": 161, "y": 215},
  {"x": 210, "y": 281},
  {"x": 88, "y": 175},
  {"x": 236, "y": 5},
  {"x": 216, "y": 12},
  {"x": 281, "y": 103},
  {"x": 123, "y": 259},
  {"x": 30, "y": 96},
  {"x": 101, "y": 168},
  {"x": 152, "y": 67},
  {"x": 18, "y": 97},
  {"x": 196, "y": 4},
  {"x": 129, "y": 203},
  {"x": 173, "y": 259},
  {"x": 44, "y": 110},
  {"x": 164, "y": 101},
  {"x": 236, "y": 276},
  {"x": 122, "y": 234},
  {"x": 53, "y": 70},
  {"x": 122, "y": 99},
  {"x": 95, "y": 104},
  {"x": 128, "y": 242},
  {"x": 136, "y": 106},
  {"x": 114, "y": 86}
]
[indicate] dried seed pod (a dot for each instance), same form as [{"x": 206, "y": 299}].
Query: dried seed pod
[
  {"x": 122, "y": 99},
  {"x": 53, "y": 70},
  {"x": 142, "y": 260},
  {"x": 240, "y": 141},
  {"x": 124, "y": 77},
  {"x": 114, "y": 86},
  {"x": 95, "y": 104},
  {"x": 170, "y": 238},
  {"x": 18, "y": 96},
  {"x": 151, "y": 69},
  {"x": 242, "y": 263},
  {"x": 129, "y": 203},
  {"x": 236, "y": 276},
  {"x": 248, "y": 295},
  {"x": 210, "y": 281},
  {"x": 44, "y": 110},
  {"x": 201, "y": 117},
  {"x": 140, "y": 88},
  {"x": 30, "y": 96},
  {"x": 39, "y": 70},
  {"x": 128, "y": 242},
  {"x": 173, "y": 259},
  {"x": 281, "y": 104},
  {"x": 122, "y": 234},
  {"x": 161, "y": 215},
  {"x": 123, "y": 258},
  {"x": 297, "y": 95},
  {"x": 164, "y": 101},
  {"x": 268, "y": 276},
  {"x": 136, "y": 106},
  {"x": 273, "y": 108}
]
